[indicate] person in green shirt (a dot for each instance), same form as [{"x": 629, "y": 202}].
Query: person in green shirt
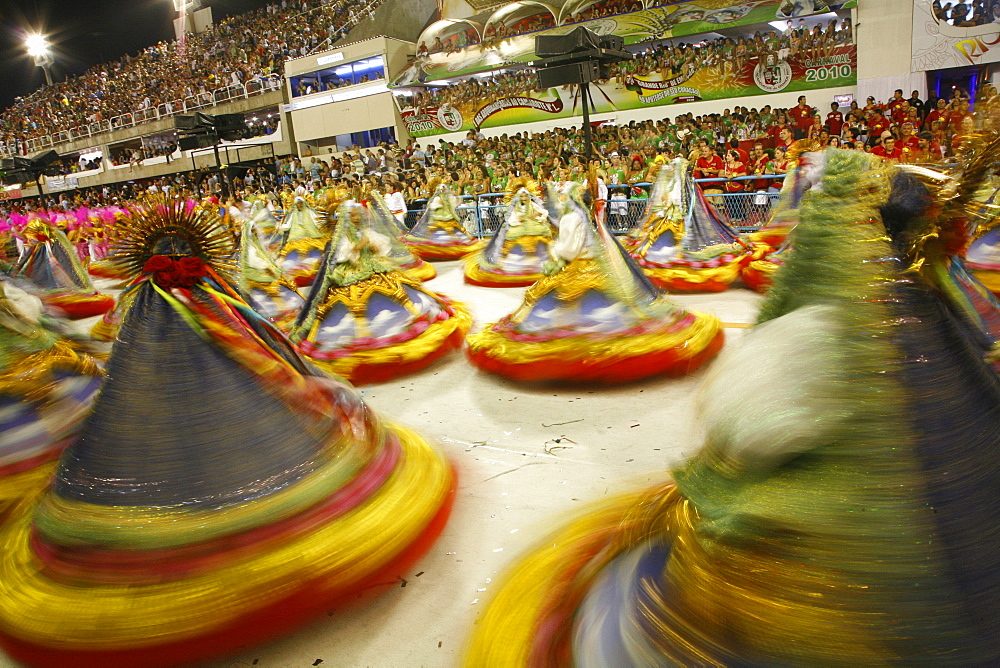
[
  {"x": 500, "y": 179},
  {"x": 616, "y": 171}
]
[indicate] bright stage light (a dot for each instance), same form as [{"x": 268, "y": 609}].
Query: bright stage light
[{"x": 37, "y": 45}]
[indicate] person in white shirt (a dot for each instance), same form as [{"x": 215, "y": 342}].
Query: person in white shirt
[{"x": 396, "y": 202}]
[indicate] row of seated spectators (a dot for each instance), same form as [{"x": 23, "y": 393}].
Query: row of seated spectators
[
  {"x": 967, "y": 14},
  {"x": 233, "y": 52},
  {"x": 499, "y": 30}
]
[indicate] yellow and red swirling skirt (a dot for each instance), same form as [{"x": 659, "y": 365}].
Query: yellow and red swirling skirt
[
  {"x": 703, "y": 272},
  {"x": 157, "y": 607},
  {"x": 80, "y": 305},
  {"x": 672, "y": 346},
  {"x": 368, "y": 360},
  {"x": 445, "y": 240}
]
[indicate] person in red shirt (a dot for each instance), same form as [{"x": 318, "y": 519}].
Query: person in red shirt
[
  {"x": 877, "y": 124},
  {"x": 870, "y": 106},
  {"x": 939, "y": 113},
  {"x": 928, "y": 149},
  {"x": 734, "y": 145},
  {"x": 959, "y": 114},
  {"x": 777, "y": 165},
  {"x": 802, "y": 114},
  {"x": 708, "y": 166},
  {"x": 888, "y": 150},
  {"x": 758, "y": 165},
  {"x": 733, "y": 169},
  {"x": 908, "y": 139},
  {"x": 774, "y": 132},
  {"x": 785, "y": 138},
  {"x": 835, "y": 119},
  {"x": 900, "y": 112},
  {"x": 963, "y": 131},
  {"x": 897, "y": 99}
]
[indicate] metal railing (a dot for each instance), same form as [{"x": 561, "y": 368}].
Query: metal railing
[
  {"x": 255, "y": 86},
  {"x": 746, "y": 211}
]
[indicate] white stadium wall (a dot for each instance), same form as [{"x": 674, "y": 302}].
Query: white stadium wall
[
  {"x": 337, "y": 118},
  {"x": 883, "y": 32}
]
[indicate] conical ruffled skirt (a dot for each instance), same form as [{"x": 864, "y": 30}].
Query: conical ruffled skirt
[
  {"x": 675, "y": 347},
  {"x": 57, "y": 610},
  {"x": 704, "y": 272},
  {"x": 378, "y": 361},
  {"x": 529, "y": 621},
  {"x": 759, "y": 274},
  {"x": 645, "y": 580},
  {"x": 419, "y": 269},
  {"x": 32, "y": 436},
  {"x": 519, "y": 266},
  {"x": 79, "y": 305},
  {"x": 300, "y": 259},
  {"x": 442, "y": 242},
  {"x": 105, "y": 268}
]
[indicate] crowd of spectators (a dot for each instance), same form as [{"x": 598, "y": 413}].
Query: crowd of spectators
[
  {"x": 968, "y": 14},
  {"x": 670, "y": 59},
  {"x": 738, "y": 151},
  {"x": 235, "y": 51},
  {"x": 497, "y": 31},
  {"x": 743, "y": 149},
  {"x": 738, "y": 142}
]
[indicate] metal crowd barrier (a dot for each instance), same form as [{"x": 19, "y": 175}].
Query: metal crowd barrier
[
  {"x": 746, "y": 210},
  {"x": 749, "y": 209}
]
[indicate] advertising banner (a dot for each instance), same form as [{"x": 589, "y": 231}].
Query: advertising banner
[
  {"x": 13, "y": 193},
  {"x": 56, "y": 184},
  {"x": 756, "y": 76},
  {"x": 937, "y": 45},
  {"x": 669, "y": 21}
]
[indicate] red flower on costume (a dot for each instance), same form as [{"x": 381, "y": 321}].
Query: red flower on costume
[
  {"x": 157, "y": 263},
  {"x": 183, "y": 273}
]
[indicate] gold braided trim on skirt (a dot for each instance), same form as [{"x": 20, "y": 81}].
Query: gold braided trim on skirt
[
  {"x": 32, "y": 377},
  {"x": 475, "y": 272},
  {"x": 727, "y": 273},
  {"x": 303, "y": 246}
]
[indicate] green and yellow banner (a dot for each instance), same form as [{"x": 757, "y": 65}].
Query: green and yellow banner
[
  {"x": 665, "y": 22},
  {"x": 773, "y": 73}
]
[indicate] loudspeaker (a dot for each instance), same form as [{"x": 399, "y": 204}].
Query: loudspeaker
[
  {"x": 574, "y": 73},
  {"x": 230, "y": 126},
  {"x": 579, "y": 39},
  {"x": 230, "y": 121},
  {"x": 17, "y": 162},
  {"x": 613, "y": 42},
  {"x": 197, "y": 141},
  {"x": 226, "y": 126},
  {"x": 43, "y": 158},
  {"x": 19, "y": 176},
  {"x": 186, "y": 122}
]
